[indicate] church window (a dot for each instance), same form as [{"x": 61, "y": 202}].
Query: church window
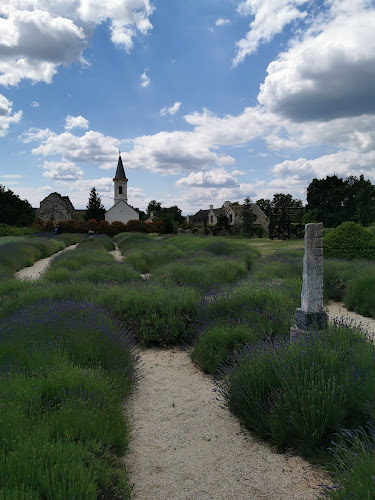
[
  {"x": 120, "y": 190},
  {"x": 230, "y": 218},
  {"x": 212, "y": 219}
]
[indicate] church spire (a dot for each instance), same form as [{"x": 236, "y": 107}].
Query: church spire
[{"x": 120, "y": 172}]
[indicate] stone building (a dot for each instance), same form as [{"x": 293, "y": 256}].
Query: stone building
[
  {"x": 121, "y": 211},
  {"x": 233, "y": 213},
  {"x": 55, "y": 207}
]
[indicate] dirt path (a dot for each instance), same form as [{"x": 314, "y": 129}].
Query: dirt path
[
  {"x": 117, "y": 254},
  {"x": 185, "y": 446},
  {"x": 337, "y": 310},
  {"x": 35, "y": 271}
]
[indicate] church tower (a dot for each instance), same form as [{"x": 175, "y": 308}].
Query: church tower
[{"x": 120, "y": 182}]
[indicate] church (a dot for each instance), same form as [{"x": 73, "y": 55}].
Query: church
[{"x": 121, "y": 211}]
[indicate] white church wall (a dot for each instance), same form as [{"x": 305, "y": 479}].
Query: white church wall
[{"x": 121, "y": 212}]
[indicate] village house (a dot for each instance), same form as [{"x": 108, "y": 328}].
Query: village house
[{"x": 232, "y": 212}]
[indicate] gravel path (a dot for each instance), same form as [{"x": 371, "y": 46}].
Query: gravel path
[
  {"x": 186, "y": 446},
  {"x": 116, "y": 253},
  {"x": 35, "y": 271},
  {"x": 337, "y": 310}
]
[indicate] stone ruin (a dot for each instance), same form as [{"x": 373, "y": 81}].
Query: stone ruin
[
  {"x": 55, "y": 207},
  {"x": 311, "y": 314}
]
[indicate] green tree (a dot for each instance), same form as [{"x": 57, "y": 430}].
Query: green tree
[
  {"x": 13, "y": 210},
  {"x": 281, "y": 200},
  {"x": 265, "y": 206},
  {"x": 248, "y": 218},
  {"x": 94, "y": 208},
  {"x": 154, "y": 207},
  {"x": 222, "y": 222}
]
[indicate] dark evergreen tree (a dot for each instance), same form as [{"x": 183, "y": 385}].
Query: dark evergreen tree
[
  {"x": 13, "y": 210},
  {"x": 94, "y": 208},
  {"x": 265, "y": 206},
  {"x": 248, "y": 218}
]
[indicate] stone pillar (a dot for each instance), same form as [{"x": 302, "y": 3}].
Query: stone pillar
[{"x": 311, "y": 314}]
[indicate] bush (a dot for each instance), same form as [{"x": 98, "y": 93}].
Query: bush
[
  {"x": 354, "y": 465},
  {"x": 349, "y": 241},
  {"x": 116, "y": 227},
  {"x": 360, "y": 294},
  {"x": 68, "y": 226},
  {"x": 6, "y": 230},
  {"x": 92, "y": 225},
  {"x": 103, "y": 227},
  {"x": 298, "y": 394},
  {"x": 137, "y": 226},
  {"x": 215, "y": 345}
]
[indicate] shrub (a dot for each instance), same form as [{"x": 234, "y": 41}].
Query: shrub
[
  {"x": 103, "y": 227},
  {"x": 116, "y": 227},
  {"x": 215, "y": 345},
  {"x": 49, "y": 226},
  {"x": 349, "y": 241},
  {"x": 68, "y": 226},
  {"x": 360, "y": 293},
  {"x": 82, "y": 226},
  {"x": 6, "y": 230},
  {"x": 298, "y": 394},
  {"x": 92, "y": 225},
  {"x": 354, "y": 465},
  {"x": 38, "y": 224},
  {"x": 137, "y": 226}
]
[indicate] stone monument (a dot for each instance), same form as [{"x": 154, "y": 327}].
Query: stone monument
[{"x": 311, "y": 314}]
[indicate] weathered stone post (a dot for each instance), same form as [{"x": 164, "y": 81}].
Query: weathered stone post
[{"x": 311, "y": 315}]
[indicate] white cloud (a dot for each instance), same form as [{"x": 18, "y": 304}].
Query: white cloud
[
  {"x": 6, "y": 117},
  {"x": 92, "y": 147},
  {"x": 11, "y": 176},
  {"x": 60, "y": 170},
  {"x": 270, "y": 17},
  {"x": 35, "y": 104},
  {"x": 145, "y": 79},
  {"x": 172, "y": 110},
  {"x": 238, "y": 172},
  {"x": 214, "y": 178},
  {"x": 329, "y": 74},
  {"x": 222, "y": 22},
  {"x": 76, "y": 122},
  {"x": 36, "y": 36}
]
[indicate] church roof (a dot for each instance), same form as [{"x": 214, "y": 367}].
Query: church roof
[{"x": 120, "y": 172}]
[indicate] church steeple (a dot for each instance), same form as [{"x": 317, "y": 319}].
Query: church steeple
[
  {"x": 120, "y": 182},
  {"x": 120, "y": 172}
]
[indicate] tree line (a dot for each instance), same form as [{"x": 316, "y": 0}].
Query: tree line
[{"x": 331, "y": 200}]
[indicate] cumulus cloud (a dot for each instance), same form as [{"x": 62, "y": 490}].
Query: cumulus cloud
[
  {"x": 214, "y": 178},
  {"x": 92, "y": 147},
  {"x": 329, "y": 74},
  {"x": 145, "y": 79},
  {"x": 76, "y": 122},
  {"x": 59, "y": 170},
  {"x": 172, "y": 110},
  {"x": 6, "y": 116},
  {"x": 269, "y": 19},
  {"x": 222, "y": 22},
  {"x": 39, "y": 35}
]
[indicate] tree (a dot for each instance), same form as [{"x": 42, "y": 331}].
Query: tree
[
  {"x": 248, "y": 218},
  {"x": 154, "y": 207},
  {"x": 281, "y": 200},
  {"x": 265, "y": 206},
  {"x": 173, "y": 212},
  {"x": 13, "y": 210},
  {"x": 334, "y": 200},
  {"x": 222, "y": 222},
  {"x": 94, "y": 208}
]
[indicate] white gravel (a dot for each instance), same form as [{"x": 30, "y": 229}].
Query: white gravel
[
  {"x": 336, "y": 310},
  {"x": 116, "y": 253},
  {"x": 185, "y": 446},
  {"x": 35, "y": 271}
]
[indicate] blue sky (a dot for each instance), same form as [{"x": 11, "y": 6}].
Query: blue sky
[{"x": 208, "y": 100}]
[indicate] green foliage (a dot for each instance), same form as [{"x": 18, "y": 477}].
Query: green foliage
[
  {"x": 94, "y": 209},
  {"x": 360, "y": 294},
  {"x": 298, "y": 394},
  {"x": 333, "y": 200},
  {"x": 65, "y": 368},
  {"x": 248, "y": 219},
  {"x": 6, "y": 230},
  {"x": 354, "y": 465},
  {"x": 215, "y": 345},
  {"x": 349, "y": 241},
  {"x": 13, "y": 210}
]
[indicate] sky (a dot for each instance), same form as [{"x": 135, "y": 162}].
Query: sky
[{"x": 208, "y": 100}]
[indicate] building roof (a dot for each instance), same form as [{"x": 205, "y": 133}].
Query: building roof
[{"x": 120, "y": 172}]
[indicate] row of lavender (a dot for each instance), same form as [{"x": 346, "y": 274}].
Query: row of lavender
[{"x": 236, "y": 309}]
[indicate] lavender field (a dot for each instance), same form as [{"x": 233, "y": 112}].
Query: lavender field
[{"x": 68, "y": 359}]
